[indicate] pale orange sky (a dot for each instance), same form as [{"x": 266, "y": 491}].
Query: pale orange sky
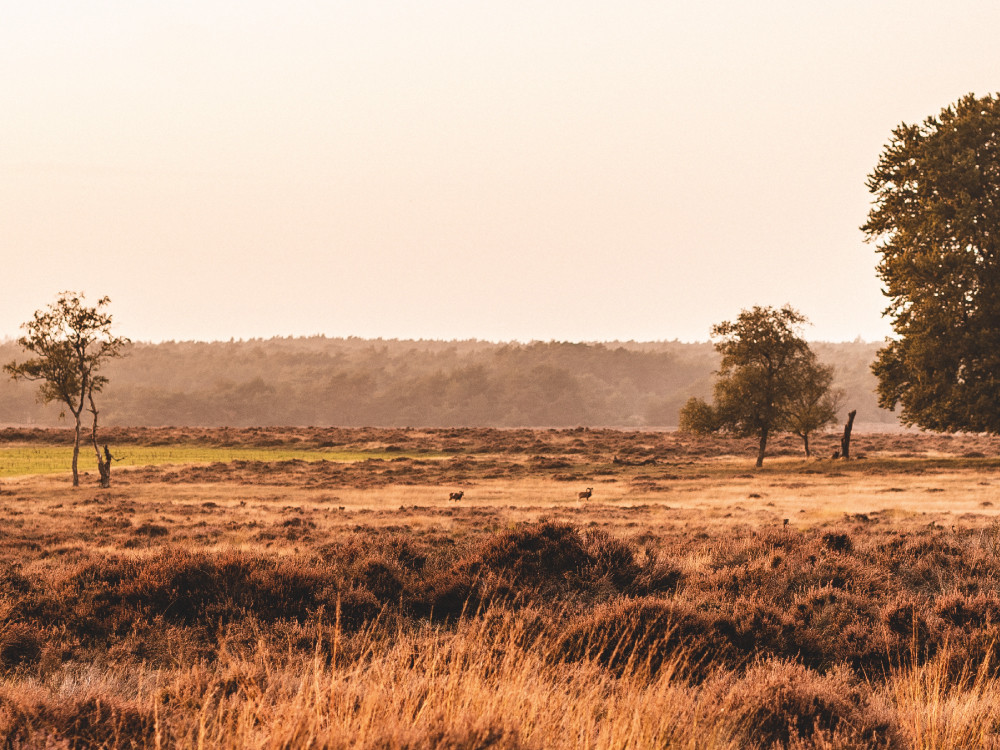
[{"x": 497, "y": 170}]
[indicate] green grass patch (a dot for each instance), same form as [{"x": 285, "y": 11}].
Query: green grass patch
[{"x": 20, "y": 460}]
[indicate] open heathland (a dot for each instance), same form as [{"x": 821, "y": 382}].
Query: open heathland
[{"x": 319, "y": 588}]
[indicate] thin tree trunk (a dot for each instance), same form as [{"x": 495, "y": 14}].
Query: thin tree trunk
[
  {"x": 76, "y": 453},
  {"x": 78, "y": 415},
  {"x": 845, "y": 441},
  {"x": 805, "y": 439},
  {"x": 763, "y": 447}
]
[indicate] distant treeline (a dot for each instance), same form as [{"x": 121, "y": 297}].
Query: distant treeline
[{"x": 360, "y": 382}]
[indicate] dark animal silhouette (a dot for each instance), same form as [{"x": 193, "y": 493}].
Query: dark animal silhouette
[
  {"x": 586, "y": 495},
  {"x": 456, "y": 496}
]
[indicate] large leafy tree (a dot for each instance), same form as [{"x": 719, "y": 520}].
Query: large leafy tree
[
  {"x": 765, "y": 369},
  {"x": 935, "y": 221},
  {"x": 69, "y": 342}
]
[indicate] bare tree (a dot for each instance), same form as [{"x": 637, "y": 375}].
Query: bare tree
[{"x": 70, "y": 342}]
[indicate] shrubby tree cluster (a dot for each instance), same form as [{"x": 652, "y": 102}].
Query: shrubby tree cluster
[{"x": 769, "y": 380}]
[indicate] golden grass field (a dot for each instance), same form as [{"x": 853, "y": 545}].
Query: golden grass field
[{"x": 317, "y": 588}]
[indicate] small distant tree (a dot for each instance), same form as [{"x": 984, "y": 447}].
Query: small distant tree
[
  {"x": 70, "y": 342},
  {"x": 813, "y": 403},
  {"x": 762, "y": 373}
]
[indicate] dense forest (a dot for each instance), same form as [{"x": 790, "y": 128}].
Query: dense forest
[{"x": 359, "y": 382}]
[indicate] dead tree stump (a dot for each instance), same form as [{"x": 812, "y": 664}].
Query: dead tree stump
[
  {"x": 845, "y": 441},
  {"x": 104, "y": 467}
]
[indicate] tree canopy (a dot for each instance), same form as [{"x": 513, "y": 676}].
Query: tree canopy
[
  {"x": 935, "y": 221},
  {"x": 813, "y": 402}
]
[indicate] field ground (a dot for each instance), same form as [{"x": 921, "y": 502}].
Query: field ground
[
  {"x": 18, "y": 460},
  {"x": 310, "y": 587}
]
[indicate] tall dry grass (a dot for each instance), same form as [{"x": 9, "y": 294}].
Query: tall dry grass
[
  {"x": 490, "y": 682},
  {"x": 939, "y": 710}
]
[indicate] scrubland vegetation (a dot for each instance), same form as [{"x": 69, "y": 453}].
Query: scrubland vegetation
[{"x": 691, "y": 603}]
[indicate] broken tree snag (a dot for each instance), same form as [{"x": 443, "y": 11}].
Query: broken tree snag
[
  {"x": 106, "y": 470},
  {"x": 845, "y": 442},
  {"x": 104, "y": 467},
  {"x": 103, "y": 462}
]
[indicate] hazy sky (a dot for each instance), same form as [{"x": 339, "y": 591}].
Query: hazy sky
[{"x": 453, "y": 169}]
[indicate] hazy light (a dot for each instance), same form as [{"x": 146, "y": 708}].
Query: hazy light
[{"x": 515, "y": 170}]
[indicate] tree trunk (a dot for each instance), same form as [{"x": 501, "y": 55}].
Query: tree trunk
[
  {"x": 76, "y": 453},
  {"x": 77, "y": 410},
  {"x": 763, "y": 447},
  {"x": 805, "y": 439},
  {"x": 103, "y": 462},
  {"x": 845, "y": 441}
]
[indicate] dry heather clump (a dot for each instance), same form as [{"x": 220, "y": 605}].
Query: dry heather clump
[
  {"x": 33, "y": 718},
  {"x": 643, "y": 635},
  {"x": 151, "y": 530},
  {"x": 611, "y": 558},
  {"x": 547, "y": 554},
  {"x": 544, "y": 552},
  {"x": 838, "y": 542},
  {"x": 829, "y": 626},
  {"x": 778, "y": 703},
  {"x": 20, "y": 643},
  {"x": 107, "y": 596}
]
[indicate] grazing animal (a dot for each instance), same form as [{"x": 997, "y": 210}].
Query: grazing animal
[
  {"x": 456, "y": 496},
  {"x": 586, "y": 495}
]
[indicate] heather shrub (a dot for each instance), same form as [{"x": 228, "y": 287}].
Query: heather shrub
[
  {"x": 911, "y": 628},
  {"x": 838, "y": 542},
  {"x": 645, "y": 633},
  {"x": 545, "y": 552},
  {"x": 967, "y": 611},
  {"x": 611, "y": 558},
  {"x": 656, "y": 576},
  {"x": 20, "y": 643},
  {"x": 151, "y": 530},
  {"x": 752, "y": 625},
  {"x": 381, "y": 575},
  {"x": 447, "y": 593},
  {"x": 74, "y": 722},
  {"x": 406, "y": 552},
  {"x": 778, "y": 702},
  {"x": 109, "y": 595},
  {"x": 829, "y": 626}
]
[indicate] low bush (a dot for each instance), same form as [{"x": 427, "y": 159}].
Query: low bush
[
  {"x": 20, "y": 643},
  {"x": 645, "y": 634},
  {"x": 779, "y": 703}
]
